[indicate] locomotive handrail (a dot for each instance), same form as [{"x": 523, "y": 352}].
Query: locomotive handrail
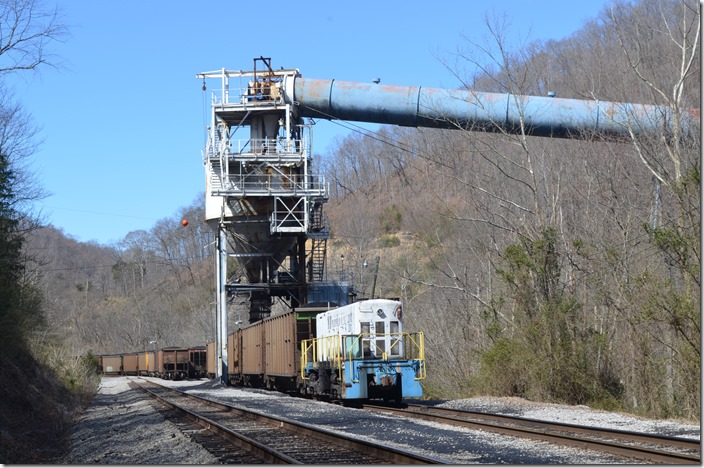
[
  {"x": 306, "y": 347},
  {"x": 421, "y": 355},
  {"x": 331, "y": 346},
  {"x": 331, "y": 350}
]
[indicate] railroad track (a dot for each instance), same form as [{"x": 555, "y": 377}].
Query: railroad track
[
  {"x": 273, "y": 439},
  {"x": 639, "y": 446}
]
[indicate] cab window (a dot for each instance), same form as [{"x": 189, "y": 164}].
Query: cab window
[
  {"x": 365, "y": 328},
  {"x": 395, "y": 350},
  {"x": 353, "y": 347},
  {"x": 367, "y": 348},
  {"x": 380, "y": 346}
]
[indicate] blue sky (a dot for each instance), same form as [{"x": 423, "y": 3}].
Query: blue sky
[{"x": 123, "y": 119}]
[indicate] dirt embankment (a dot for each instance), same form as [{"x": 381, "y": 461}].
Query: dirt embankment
[{"x": 36, "y": 412}]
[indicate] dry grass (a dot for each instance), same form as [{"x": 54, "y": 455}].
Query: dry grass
[{"x": 36, "y": 411}]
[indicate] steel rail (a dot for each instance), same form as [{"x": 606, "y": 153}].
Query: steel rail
[
  {"x": 381, "y": 451},
  {"x": 563, "y": 434},
  {"x": 267, "y": 454},
  {"x": 619, "y": 434}
]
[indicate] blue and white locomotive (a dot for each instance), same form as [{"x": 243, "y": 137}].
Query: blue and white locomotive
[{"x": 361, "y": 351}]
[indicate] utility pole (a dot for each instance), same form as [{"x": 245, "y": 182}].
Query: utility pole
[{"x": 376, "y": 272}]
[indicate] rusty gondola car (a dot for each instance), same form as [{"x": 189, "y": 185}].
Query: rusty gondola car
[
  {"x": 197, "y": 362},
  {"x": 130, "y": 364},
  {"x": 147, "y": 363},
  {"x": 172, "y": 363},
  {"x": 111, "y": 364},
  {"x": 267, "y": 353}
]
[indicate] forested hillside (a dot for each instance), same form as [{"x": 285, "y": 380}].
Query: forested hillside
[
  {"x": 155, "y": 285},
  {"x": 560, "y": 270}
]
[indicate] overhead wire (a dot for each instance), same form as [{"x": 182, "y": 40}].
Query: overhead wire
[
  {"x": 362, "y": 131},
  {"x": 637, "y": 238},
  {"x": 176, "y": 260}
]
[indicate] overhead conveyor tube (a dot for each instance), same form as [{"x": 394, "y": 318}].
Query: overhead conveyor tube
[{"x": 415, "y": 106}]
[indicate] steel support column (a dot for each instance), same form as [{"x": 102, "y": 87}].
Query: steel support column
[{"x": 221, "y": 371}]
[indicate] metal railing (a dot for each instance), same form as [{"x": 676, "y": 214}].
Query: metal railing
[
  {"x": 289, "y": 215},
  {"x": 275, "y": 185},
  {"x": 243, "y": 96},
  {"x": 271, "y": 147},
  {"x": 337, "y": 349}
]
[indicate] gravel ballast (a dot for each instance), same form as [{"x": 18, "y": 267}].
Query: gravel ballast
[{"x": 122, "y": 426}]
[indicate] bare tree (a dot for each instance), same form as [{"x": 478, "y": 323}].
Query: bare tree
[
  {"x": 660, "y": 46},
  {"x": 27, "y": 30},
  {"x": 532, "y": 192}
]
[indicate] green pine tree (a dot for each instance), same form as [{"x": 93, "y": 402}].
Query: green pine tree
[{"x": 11, "y": 266}]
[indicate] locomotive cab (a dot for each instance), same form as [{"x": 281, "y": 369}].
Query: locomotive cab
[{"x": 362, "y": 352}]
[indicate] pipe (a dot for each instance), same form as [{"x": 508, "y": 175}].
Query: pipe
[{"x": 415, "y": 106}]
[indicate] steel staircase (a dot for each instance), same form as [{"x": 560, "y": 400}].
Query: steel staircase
[
  {"x": 215, "y": 175},
  {"x": 319, "y": 234}
]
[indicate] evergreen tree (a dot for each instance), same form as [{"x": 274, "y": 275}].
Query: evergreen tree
[{"x": 11, "y": 266}]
